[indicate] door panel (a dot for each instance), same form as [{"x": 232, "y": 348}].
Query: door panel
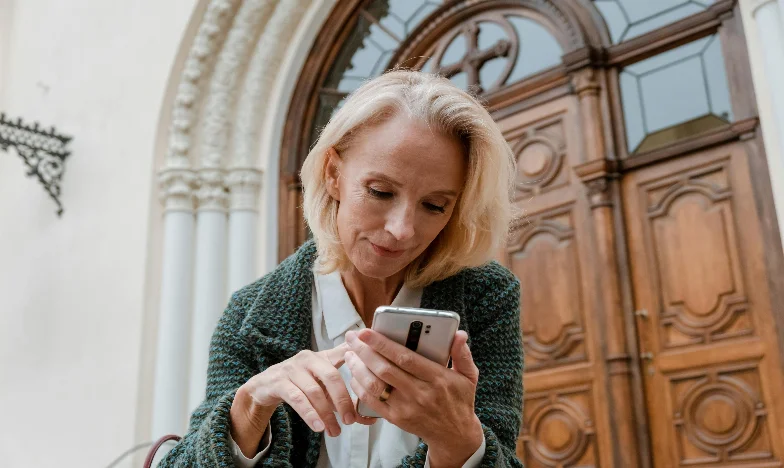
[
  {"x": 711, "y": 366},
  {"x": 565, "y": 414}
]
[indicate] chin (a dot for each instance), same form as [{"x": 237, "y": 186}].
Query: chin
[{"x": 378, "y": 269}]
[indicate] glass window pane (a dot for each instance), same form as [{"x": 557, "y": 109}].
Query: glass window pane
[
  {"x": 538, "y": 49},
  {"x": 676, "y": 94},
  {"x": 460, "y": 80},
  {"x": 631, "y": 18},
  {"x": 639, "y": 10},
  {"x": 718, "y": 87},
  {"x": 455, "y": 52},
  {"x": 402, "y": 16},
  {"x": 362, "y": 57},
  {"x": 663, "y": 19},
  {"x": 670, "y": 56},
  {"x": 423, "y": 12},
  {"x": 491, "y": 72},
  {"x": 632, "y": 110}
]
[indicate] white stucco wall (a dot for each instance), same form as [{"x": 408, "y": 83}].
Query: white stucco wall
[
  {"x": 762, "y": 84},
  {"x": 72, "y": 289}
]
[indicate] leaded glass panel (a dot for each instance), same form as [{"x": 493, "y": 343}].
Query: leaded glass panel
[
  {"x": 631, "y": 18},
  {"x": 675, "y": 94}
]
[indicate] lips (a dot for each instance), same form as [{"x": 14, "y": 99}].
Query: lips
[{"x": 384, "y": 252}]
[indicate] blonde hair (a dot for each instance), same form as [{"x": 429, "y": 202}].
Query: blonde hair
[{"x": 480, "y": 221}]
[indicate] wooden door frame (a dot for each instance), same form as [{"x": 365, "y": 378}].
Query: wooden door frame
[
  {"x": 589, "y": 48},
  {"x": 590, "y": 51}
]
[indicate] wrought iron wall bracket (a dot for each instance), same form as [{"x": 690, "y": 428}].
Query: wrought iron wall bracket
[{"x": 43, "y": 151}]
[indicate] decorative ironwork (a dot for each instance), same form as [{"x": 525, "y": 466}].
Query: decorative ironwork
[{"x": 43, "y": 151}]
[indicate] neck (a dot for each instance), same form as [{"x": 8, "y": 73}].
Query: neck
[{"x": 368, "y": 293}]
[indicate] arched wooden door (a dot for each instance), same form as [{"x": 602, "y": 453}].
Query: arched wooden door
[{"x": 646, "y": 248}]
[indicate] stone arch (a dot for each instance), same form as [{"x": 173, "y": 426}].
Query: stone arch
[{"x": 218, "y": 134}]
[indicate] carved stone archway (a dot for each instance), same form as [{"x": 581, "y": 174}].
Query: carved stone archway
[{"x": 228, "y": 91}]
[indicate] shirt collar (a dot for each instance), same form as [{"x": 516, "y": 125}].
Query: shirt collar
[{"x": 339, "y": 312}]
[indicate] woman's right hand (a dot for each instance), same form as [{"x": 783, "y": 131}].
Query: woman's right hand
[{"x": 309, "y": 382}]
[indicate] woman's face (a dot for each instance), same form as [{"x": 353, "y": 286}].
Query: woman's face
[{"x": 397, "y": 185}]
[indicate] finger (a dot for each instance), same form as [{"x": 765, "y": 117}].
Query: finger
[
  {"x": 365, "y": 376},
  {"x": 407, "y": 360},
  {"x": 334, "y": 410},
  {"x": 380, "y": 366},
  {"x": 462, "y": 361},
  {"x": 335, "y": 356},
  {"x": 336, "y": 389},
  {"x": 380, "y": 407},
  {"x": 295, "y": 398},
  {"x": 318, "y": 400}
]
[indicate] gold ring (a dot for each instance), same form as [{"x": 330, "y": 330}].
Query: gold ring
[{"x": 385, "y": 394}]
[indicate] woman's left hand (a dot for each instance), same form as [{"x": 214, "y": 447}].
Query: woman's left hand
[{"x": 431, "y": 401}]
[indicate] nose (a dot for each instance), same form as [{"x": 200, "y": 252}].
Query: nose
[{"x": 400, "y": 222}]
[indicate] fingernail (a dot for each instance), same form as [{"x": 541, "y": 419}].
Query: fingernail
[
  {"x": 349, "y": 419},
  {"x": 318, "y": 425},
  {"x": 364, "y": 336}
]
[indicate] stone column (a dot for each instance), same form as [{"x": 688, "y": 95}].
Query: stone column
[
  {"x": 210, "y": 295},
  {"x": 170, "y": 413},
  {"x": 770, "y": 28},
  {"x": 244, "y": 187}
]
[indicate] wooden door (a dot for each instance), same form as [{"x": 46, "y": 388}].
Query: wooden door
[
  {"x": 705, "y": 326},
  {"x": 567, "y": 410}
]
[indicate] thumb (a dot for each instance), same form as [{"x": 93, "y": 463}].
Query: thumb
[
  {"x": 337, "y": 355},
  {"x": 462, "y": 361}
]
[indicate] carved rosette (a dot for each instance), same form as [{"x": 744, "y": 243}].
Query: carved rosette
[
  {"x": 244, "y": 186},
  {"x": 558, "y": 433},
  {"x": 540, "y": 158},
  {"x": 212, "y": 193},
  {"x": 720, "y": 417},
  {"x": 177, "y": 189}
]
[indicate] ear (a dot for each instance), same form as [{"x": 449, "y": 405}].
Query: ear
[{"x": 333, "y": 173}]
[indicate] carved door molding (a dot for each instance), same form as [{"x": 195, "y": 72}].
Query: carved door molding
[{"x": 712, "y": 372}]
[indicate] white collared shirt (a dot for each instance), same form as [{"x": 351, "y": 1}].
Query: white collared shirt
[{"x": 382, "y": 445}]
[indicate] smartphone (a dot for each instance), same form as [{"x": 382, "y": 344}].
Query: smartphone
[{"x": 427, "y": 332}]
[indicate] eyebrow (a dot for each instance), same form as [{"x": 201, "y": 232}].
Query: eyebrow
[{"x": 386, "y": 178}]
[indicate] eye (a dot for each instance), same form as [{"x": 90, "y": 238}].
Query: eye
[
  {"x": 435, "y": 208},
  {"x": 379, "y": 194}
]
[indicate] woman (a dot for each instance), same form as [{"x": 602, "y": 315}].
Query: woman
[{"x": 407, "y": 196}]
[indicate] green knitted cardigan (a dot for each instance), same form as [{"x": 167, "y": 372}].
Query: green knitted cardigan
[{"x": 271, "y": 320}]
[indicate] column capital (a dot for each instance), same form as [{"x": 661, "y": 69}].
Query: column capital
[
  {"x": 584, "y": 82},
  {"x": 177, "y": 189},
  {"x": 244, "y": 185},
  {"x": 212, "y": 194},
  {"x": 597, "y": 175}
]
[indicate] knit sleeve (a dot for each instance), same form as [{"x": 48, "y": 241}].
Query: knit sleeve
[
  {"x": 496, "y": 345},
  {"x": 232, "y": 362}
]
